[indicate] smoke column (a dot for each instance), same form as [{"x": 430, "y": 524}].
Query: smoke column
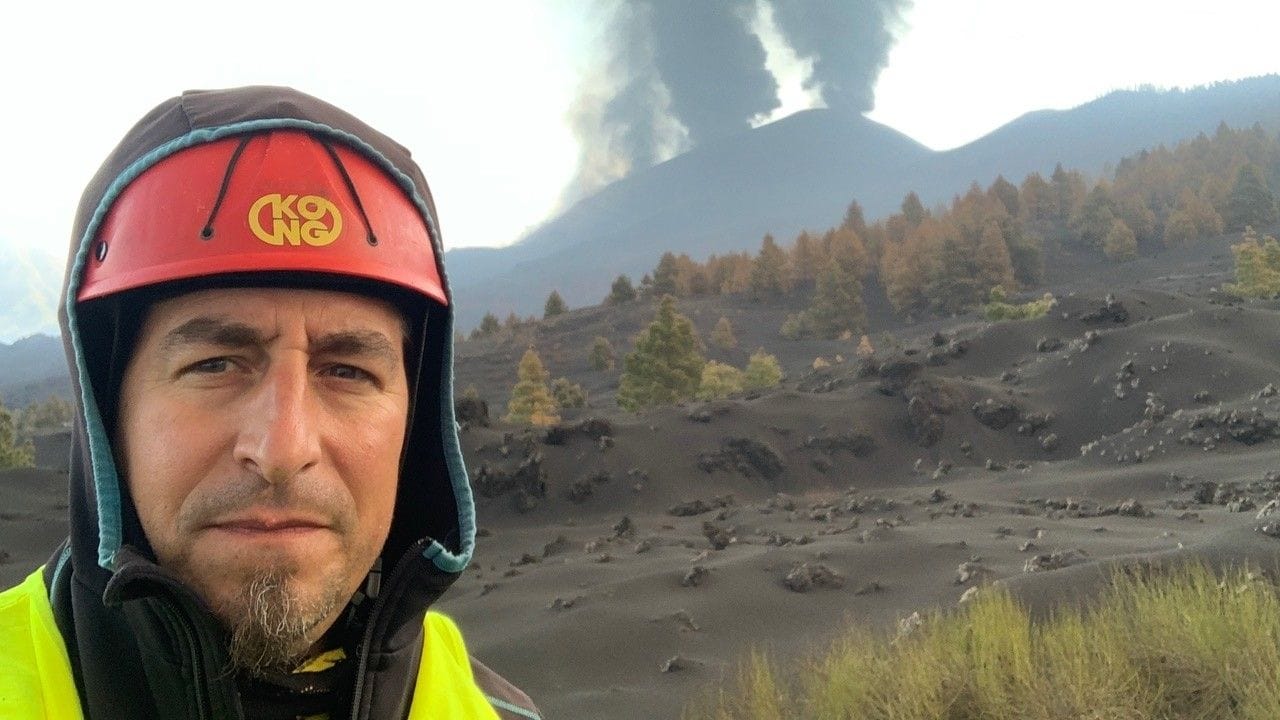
[
  {"x": 677, "y": 73},
  {"x": 712, "y": 64},
  {"x": 848, "y": 41}
]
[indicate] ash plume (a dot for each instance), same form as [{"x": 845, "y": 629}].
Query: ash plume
[
  {"x": 674, "y": 74},
  {"x": 712, "y": 64},
  {"x": 621, "y": 115},
  {"x": 848, "y": 41}
]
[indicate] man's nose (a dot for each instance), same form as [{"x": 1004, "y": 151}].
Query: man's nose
[{"x": 279, "y": 433}]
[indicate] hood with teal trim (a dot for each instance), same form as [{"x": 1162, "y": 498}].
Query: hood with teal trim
[{"x": 434, "y": 509}]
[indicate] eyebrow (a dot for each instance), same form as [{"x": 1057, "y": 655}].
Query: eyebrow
[{"x": 222, "y": 333}]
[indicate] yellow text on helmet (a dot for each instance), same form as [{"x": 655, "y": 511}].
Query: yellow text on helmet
[{"x": 295, "y": 220}]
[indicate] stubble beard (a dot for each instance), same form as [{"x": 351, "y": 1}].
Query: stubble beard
[{"x": 271, "y": 625}]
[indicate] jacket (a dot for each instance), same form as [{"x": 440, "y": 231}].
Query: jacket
[{"x": 138, "y": 643}]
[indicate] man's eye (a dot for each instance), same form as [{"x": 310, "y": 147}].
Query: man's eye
[
  {"x": 349, "y": 372},
  {"x": 211, "y": 366}
]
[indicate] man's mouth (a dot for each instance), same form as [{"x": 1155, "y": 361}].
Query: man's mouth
[{"x": 264, "y": 524}]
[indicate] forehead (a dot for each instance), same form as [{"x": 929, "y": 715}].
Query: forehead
[{"x": 317, "y": 310}]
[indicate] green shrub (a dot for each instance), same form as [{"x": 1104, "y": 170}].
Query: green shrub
[
  {"x": 998, "y": 309},
  {"x": 568, "y": 394},
  {"x": 796, "y": 326},
  {"x": 13, "y": 453},
  {"x": 1257, "y": 267},
  {"x": 762, "y": 371},
  {"x": 719, "y": 380}
]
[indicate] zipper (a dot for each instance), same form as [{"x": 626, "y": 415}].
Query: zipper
[
  {"x": 182, "y": 622},
  {"x": 178, "y": 608},
  {"x": 366, "y": 641}
]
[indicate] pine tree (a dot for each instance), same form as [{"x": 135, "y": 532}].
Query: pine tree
[
  {"x": 531, "y": 400},
  {"x": 554, "y": 306},
  {"x": 602, "y": 356},
  {"x": 1179, "y": 229},
  {"x": 902, "y": 275},
  {"x": 769, "y": 272},
  {"x": 1137, "y": 214},
  {"x": 1026, "y": 254},
  {"x": 993, "y": 258},
  {"x": 1035, "y": 196},
  {"x": 488, "y": 326},
  {"x": 1251, "y": 203},
  {"x": 53, "y": 413},
  {"x": 913, "y": 210},
  {"x": 854, "y": 219},
  {"x": 12, "y": 452},
  {"x": 621, "y": 292},
  {"x": 1067, "y": 193},
  {"x": 666, "y": 365},
  {"x": 665, "y": 276},
  {"x": 1007, "y": 194},
  {"x": 1120, "y": 244},
  {"x": 1200, "y": 209},
  {"x": 953, "y": 280},
  {"x": 738, "y": 279},
  {"x": 837, "y": 305},
  {"x": 762, "y": 371},
  {"x": 846, "y": 247},
  {"x": 722, "y": 336},
  {"x": 865, "y": 349},
  {"x": 806, "y": 258},
  {"x": 719, "y": 380},
  {"x": 1093, "y": 221}
]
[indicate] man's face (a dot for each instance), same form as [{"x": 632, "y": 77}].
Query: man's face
[{"x": 261, "y": 432}]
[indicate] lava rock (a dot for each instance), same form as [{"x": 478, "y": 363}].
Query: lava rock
[
  {"x": 807, "y": 576},
  {"x": 995, "y": 415}
]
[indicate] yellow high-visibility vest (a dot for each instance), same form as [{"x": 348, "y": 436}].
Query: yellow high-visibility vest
[{"x": 36, "y": 680}]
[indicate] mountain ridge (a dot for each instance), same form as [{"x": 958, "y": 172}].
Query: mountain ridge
[{"x": 696, "y": 202}]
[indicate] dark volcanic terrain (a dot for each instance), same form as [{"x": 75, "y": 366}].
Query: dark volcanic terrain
[{"x": 626, "y": 561}]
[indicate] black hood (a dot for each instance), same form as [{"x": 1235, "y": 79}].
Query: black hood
[{"x": 434, "y": 508}]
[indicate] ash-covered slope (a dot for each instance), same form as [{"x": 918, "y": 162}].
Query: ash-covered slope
[{"x": 629, "y": 560}]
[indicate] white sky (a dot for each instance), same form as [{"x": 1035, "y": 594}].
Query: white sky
[{"x": 479, "y": 92}]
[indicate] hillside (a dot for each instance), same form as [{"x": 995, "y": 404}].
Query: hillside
[
  {"x": 801, "y": 172},
  {"x": 33, "y": 369},
  {"x": 625, "y": 563}
]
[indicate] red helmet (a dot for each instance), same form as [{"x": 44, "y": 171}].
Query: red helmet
[{"x": 283, "y": 200}]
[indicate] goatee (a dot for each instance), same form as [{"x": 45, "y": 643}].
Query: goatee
[{"x": 271, "y": 627}]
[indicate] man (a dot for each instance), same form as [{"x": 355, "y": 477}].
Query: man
[{"x": 267, "y": 490}]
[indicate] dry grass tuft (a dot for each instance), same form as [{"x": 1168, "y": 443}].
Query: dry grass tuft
[{"x": 1185, "y": 644}]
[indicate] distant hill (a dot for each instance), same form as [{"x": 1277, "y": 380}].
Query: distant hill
[
  {"x": 32, "y": 369},
  {"x": 802, "y": 171}
]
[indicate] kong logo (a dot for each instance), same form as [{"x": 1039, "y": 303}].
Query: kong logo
[{"x": 278, "y": 219}]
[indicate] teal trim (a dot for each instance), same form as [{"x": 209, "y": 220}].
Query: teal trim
[
  {"x": 504, "y": 705},
  {"x": 62, "y": 565},
  {"x": 106, "y": 478},
  {"x": 446, "y": 560}
]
